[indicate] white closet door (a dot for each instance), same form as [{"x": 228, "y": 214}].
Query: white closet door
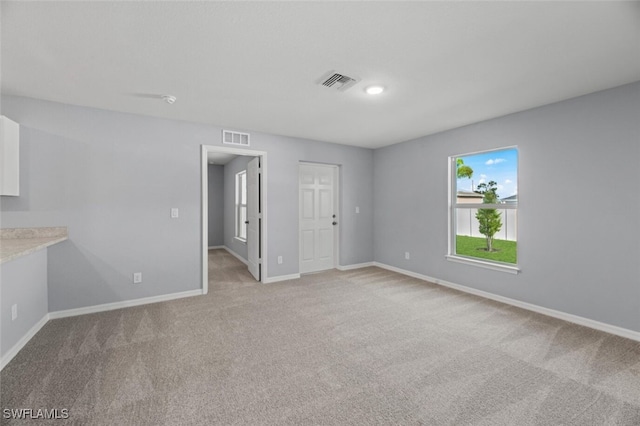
[{"x": 318, "y": 217}]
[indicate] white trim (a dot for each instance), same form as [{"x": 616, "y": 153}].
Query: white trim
[
  {"x": 89, "y": 310},
  {"x": 7, "y": 357},
  {"x": 239, "y": 191},
  {"x": 204, "y": 196},
  {"x": 354, "y": 266},
  {"x": 123, "y": 304},
  {"x": 488, "y": 265},
  {"x": 281, "y": 278},
  {"x": 337, "y": 207},
  {"x": 236, "y": 255},
  {"x": 204, "y": 205},
  {"x": 451, "y": 247},
  {"x": 240, "y": 240},
  {"x": 484, "y": 151},
  {"x": 586, "y": 322},
  {"x": 215, "y": 247},
  {"x": 454, "y": 206}
]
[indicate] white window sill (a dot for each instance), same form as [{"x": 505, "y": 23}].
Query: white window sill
[
  {"x": 240, "y": 240},
  {"x": 484, "y": 264}
]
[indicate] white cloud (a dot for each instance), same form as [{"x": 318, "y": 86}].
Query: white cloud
[
  {"x": 508, "y": 181},
  {"x": 481, "y": 181},
  {"x": 491, "y": 162},
  {"x": 483, "y": 176}
]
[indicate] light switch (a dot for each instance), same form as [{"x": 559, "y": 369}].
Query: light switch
[
  {"x": 357, "y": 209},
  {"x": 174, "y": 213}
]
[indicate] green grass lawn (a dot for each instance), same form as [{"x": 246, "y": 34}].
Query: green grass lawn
[{"x": 505, "y": 251}]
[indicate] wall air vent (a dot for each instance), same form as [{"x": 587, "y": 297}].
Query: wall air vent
[
  {"x": 338, "y": 81},
  {"x": 235, "y": 138}
]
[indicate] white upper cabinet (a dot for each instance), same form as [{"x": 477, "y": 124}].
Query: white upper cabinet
[{"x": 9, "y": 157}]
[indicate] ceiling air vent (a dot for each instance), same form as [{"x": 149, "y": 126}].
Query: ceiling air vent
[
  {"x": 338, "y": 81},
  {"x": 235, "y": 138}
]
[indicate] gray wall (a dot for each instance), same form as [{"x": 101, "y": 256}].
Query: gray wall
[
  {"x": 24, "y": 282},
  {"x": 579, "y": 204},
  {"x": 356, "y": 180},
  {"x": 216, "y": 205},
  {"x": 97, "y": 172},
  {"x": 236, "y": 165}
]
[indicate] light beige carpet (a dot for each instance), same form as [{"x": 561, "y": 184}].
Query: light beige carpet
[{"x": 363, "y": 347}]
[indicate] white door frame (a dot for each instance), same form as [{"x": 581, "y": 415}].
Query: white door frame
[
  {"x": 204, "y": 151},
  {"x": 336, "y": 204}
]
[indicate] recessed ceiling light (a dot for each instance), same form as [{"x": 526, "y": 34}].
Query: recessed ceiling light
[{"x": 374, "y": 90}]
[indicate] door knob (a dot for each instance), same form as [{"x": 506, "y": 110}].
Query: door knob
[
  {"x": 246, "y": 221},
  {"x": 334, "y": 223}
]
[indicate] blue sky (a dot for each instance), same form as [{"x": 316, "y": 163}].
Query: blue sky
[{"x": 500, "y": 166}]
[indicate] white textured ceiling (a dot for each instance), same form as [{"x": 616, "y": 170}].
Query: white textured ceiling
[{"x": 253, "y": 66}]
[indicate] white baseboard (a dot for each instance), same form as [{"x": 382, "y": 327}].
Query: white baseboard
[
  {"x": 6, "y": 358},
  {"x": 214, "y": 247},
  {"x": 123, "y": 304},
  {"x": 236, "y": 255},
  {"x": 296, "y": 276},
  {"x": 89, "y": 310},
  {"x": 586, "y": 322},
  {"x": 354, "y": 266},
  {"x": 281, "y": 278}
]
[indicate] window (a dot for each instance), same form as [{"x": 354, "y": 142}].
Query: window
[
  {"x": 488, "y": 235},
  {"x": 241, "y": 205}
]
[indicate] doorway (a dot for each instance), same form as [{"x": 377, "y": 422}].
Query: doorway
[
  {"x": 249, "y": 209},
  {"x": 318, "y": 217}
]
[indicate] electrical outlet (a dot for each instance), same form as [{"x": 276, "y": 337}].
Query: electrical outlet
[
  {"x": 14, "y": 312},
  {"x": 357, "y": 209},
  {"x": 279, "y": 260},
  {"x": 407, "y": 255},
  {"x": 137, "y": 277},
  {"x": 175, "y": 213}
]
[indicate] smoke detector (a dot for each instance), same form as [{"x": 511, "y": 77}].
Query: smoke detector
[
  {"x": 169, "y": 99},
  {"x": 336, "y": 80}
]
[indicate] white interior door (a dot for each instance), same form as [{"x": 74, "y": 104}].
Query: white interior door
[
  {"x": 253, "y": 217},
  {"x": 318, "y": 217}
]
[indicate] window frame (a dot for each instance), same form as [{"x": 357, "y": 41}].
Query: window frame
[
  {"x": 454, "y": 205},
  {"x": 241, "y": 190}
]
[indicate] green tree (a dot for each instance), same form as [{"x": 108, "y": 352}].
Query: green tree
[
  {"x": 489, "y": 219},
  {"x": 462, "y": 170}
]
